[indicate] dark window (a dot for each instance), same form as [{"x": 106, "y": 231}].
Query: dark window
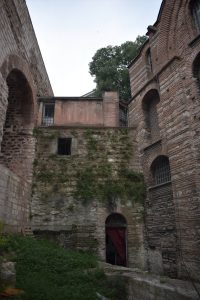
[
  {"x": 123, "y": 116},
  {"x": 161, "y": 170},
  {"x": 149, "y": 60},
  {"x": 196, "y": 68},
  {"x": 48, "y": 114},
  {"x": 150, "y": 102},
  {"x": 64, "y": 146},
  {"x": 195, "y": 7}
]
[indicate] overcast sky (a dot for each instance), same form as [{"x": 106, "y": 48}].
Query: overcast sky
[{"x": 69, "y": 33}]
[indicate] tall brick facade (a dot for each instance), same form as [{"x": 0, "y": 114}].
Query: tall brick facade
[
  {"x": 22, "y": 78},
  {"x": 165, "y": 108}
]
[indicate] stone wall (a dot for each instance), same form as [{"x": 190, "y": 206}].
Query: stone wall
[
  {"x": 22, "y": 77},
  {"x": 174, "y": 45},
  {"x": 74, "y": 194}
]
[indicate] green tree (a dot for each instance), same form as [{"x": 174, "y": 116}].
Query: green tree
[{"x": 109, "y": 67}]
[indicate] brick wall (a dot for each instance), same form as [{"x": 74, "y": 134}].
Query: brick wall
[
  {"x": 174, "y": 44},
  {"x": 82, "y": 111},
  {"x": 22, "y": 77}
]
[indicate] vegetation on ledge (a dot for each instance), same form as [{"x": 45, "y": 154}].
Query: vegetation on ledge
[{"x": 46, "y": 271}]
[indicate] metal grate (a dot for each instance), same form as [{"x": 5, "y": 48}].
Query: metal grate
[
  {"x": 47, "y": 121},
  {"x": 162, "y": 172},
  {"x": 48, "y": 114}
]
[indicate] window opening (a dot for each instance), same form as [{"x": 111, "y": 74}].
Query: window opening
[
  {"x": 149, "y": 60},
  {"x": 123, "y": 116},
  {"x": 195, "y": 6},
  {"x": 64, "y": 146},
  {"x": 150, "y": 103},
  {"x": 48, "y": 114},
  {"x": 161, "y": 170}
]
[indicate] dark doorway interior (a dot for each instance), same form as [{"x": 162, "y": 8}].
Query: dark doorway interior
[{"x": 116, "y": 240}]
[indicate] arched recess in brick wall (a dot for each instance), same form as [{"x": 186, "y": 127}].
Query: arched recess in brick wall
[
  {"x": 160, "y": 170},
  {"x": 196, "y": 68},
  {"x": 116, "y": 243},
  {"x": 194, "y": 10},
  {"x": 17, "y": 142},
  {"x": 160, "y": 216},
  {"x": 149, "y": 106}
]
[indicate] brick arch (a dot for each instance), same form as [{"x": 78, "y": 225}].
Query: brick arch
[
  {"x": 165, "y": 21},
  {"x": 13, "y": 62},
  {"x": 196, "y": 66},
  {"x": 181, "y": 8},
  {"x": 17, "y": 143},
  {"x": 188, "y": 13},
  {"x": 171, "y": 39},
  {"x": 160, "y": 164},
  {"x": 189, "y": 26},
  {"x": 193, "y": 65},
  {"x": 151, "y": 86},
  {"x": 153, "y": 158}
]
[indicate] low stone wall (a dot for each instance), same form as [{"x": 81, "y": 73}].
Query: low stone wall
[
  {"x": 15, "y": 195},
  {"x": 145, "y": 286}
]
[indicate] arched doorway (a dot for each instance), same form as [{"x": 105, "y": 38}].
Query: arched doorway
[{"x": 116, "y": 242}]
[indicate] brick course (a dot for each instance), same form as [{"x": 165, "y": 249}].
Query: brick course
[
  {"x": 174, "y": 45},
  {"x": 22, "y": 77}
]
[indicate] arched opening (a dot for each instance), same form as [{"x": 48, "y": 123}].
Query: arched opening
[
  {"x": 149, "y": 105},
  {"x": 195, "y": 11},
  {"x": 196, "y": 69},
  {"x": 116, "y": 242},
  {"x": 15, "y": 146},
  {"x": 149, "y": 61},
  {"x": 160, "y": 170}
]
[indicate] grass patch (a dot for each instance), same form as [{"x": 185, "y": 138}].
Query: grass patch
[{"x": 48, "y": 272}]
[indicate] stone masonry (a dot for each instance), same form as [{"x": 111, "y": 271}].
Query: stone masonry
[
  {"x": 85, "y": 168},
  {"x": 74, "y": 194}
]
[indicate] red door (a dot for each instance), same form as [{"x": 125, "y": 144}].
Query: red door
[{"x": 116, "y": 246}]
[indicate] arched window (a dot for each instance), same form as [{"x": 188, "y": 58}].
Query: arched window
[
  {"x": 160, "y": 169},
  {"x": 195, "y": 10},
  {"x": 149, "y": 60},
  {"x": 116, "y": 252},
  {"x": 196, "y": 68},
  {"x": 150, "y": 102}
]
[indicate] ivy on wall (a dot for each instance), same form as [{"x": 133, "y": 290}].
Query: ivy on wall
[{"x": 104, "y": 173}]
